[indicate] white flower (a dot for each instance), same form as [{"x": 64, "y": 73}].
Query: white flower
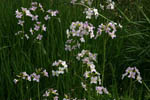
[
  {"x": 55, "y": 98},
  {"x": 27, "y": 37},
  {"x": 139, "y": 78},
  {"x": 18, "y": 14},
  {"x": 101, "y": 90},
  {"x": 21, "y": 22},
  {"x": 86, "y": 74},
  {"x": 95, "y": 12},
  {"x": 46, "y": 94},
  {"x": 39, "y": 37},
  {"x": 102, "y": 6},
  {"x": 43, "y": 27},
  {"x": 35, "y": 77},
  {"x": 84, "y": 86},
  {"x": 45, "y": 73},
  {"x": 47, "y": 17},
  {"x": 35, "y": 17},
  {"x": 94, "y": 80},
  {"x": 31, "y": 31},
  {"x": 15, "y": 81}
]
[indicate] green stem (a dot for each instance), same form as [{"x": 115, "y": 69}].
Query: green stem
[
  {"x": 130, "y": 91},
  {"x": 104, "y": 59},
  {"x": 22, "y": 90},
  {"x": 146, "y": 86},
  {"x": 39, "y": 91}
]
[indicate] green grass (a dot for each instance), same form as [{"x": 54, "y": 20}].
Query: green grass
[{"x": 131, "y": 47}]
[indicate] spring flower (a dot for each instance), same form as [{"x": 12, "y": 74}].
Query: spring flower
[
  {"x": 102, "y": 6},
  {"x": 15, "y": 81},
  {"x": 91, "y": 12},
  {"x": 73, "y": 1},
  {"x": 27, "y": 12},
  {"x": 84, "y": 86},
  {"x": 110, "y": 29},
  {"x": 61, "y": 67},
  {"x": 36, "y": 27},
  {"x": 18, "y": 14},
  {"x": 56, "y": 98},
  {"x": 39, "y": 37},
  {"x": 31, "y": 31},
  {"x": 101, "y": 90},
  {"x": 111, "y": 5},
  {"x": 43, "y": 27},
  {"x": 35, "y": 77},
  {"x": 53, "y": 13},
  {"x": 132, "y": 72},
  {"x": 87, "y": 2},
  {"x": 45, "y": 73},
  {"x": 37, "y": 24},
  {"x": 47, "y": 17},
  {"x": 21, "y": 22},
  {"x": 35, "y": 17},
  {"x": 26, "y": 36},
  {"x": 94, "y": 80}
]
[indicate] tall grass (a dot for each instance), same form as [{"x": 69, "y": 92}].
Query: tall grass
[{"x": 130, "y": 48}]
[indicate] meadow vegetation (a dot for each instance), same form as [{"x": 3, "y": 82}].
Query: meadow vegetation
[{"x": 74, "y": 50}]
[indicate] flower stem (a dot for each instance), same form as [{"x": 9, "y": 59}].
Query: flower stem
[
  {"x": 104, "y": 59},
  {"x": 39, "y": 91}
]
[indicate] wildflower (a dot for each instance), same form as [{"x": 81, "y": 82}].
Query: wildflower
[
  {"x": 45, "y": 73},
  {"x": 84, "y": 86},
  {"x": 27, "y": 12},
  {"x": 15, "y": 81},
  {"x": 101, "y": 90},
  {"x": 33, "y": 8},
  {"x": 41, "y": 7},
  {"x": 36, "y": 27},
  {"x": 94, "y": 80},
  {"x": 18, "y": 14},
  {"x": 111, "y": 4},
  {"x": 102, "y": 6},
  {"x": 47, "y": 17},
  {"x": 21, "y": 22},
  {"x": 39, "y": 37},
  {"x": 132, "y": 72},
  {"x": 86, "y": 74},
  {"x": 35, "y": 77},
  {"x": 27, "y": 37},
  {"x": 62, "y": 67},
  {"x": 54, "y": 13},
  {"x": 35, "y": 17},
  {"x": 31, "y": 31},
  {"x": 43, "y": 27},
  {"x": 46, "y": 94},
  {"x": 55, "y": 98},
  {"x": 73, "y": 1}
]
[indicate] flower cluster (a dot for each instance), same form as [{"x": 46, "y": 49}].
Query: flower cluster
[
  {"x": 60, "y": 67},
  {"x": 91, "y": 75},
  {"x": 35, "y": 76},
  {"x": 51, "y": 93},
  {"x": 85, "y": 2},
  {"x": 66, "y": 97},
  {"x": 110, "y": 29},
  {"x": 109, "y": 5},
  {"x": 38, "y": 28},
  {"x": 133, "y": 72},
  {"x": 88, "y": 59},
  {"x": 101, "y": 90},
  {"x": 91, "y": 12},
  {"x": 76, "y": 33}
]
